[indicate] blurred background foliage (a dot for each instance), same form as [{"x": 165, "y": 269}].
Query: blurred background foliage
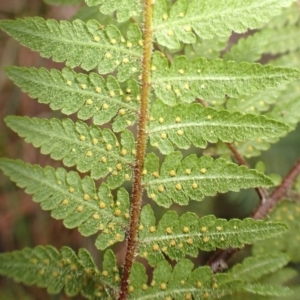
[{"x": 22, "y": 222}]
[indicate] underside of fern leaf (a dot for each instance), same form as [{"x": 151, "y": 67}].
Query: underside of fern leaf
[
  {"x": 74, "y": 200},
  {"x": 179, "y": 180},
  {"x": 176, "y": 237},
  {"x": 57, "y": 270}
]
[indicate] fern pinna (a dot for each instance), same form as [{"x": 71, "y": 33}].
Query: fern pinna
[{"x": 162, "y": 73}]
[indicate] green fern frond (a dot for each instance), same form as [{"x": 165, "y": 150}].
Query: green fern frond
[
  {"x": 89, "y": 148},
  {"x": 187, "y": 19},
  {"x": 268, "y": 290},
  {"x": 74, "y": 200},
  {"x": 290, "y": 60},
  {"x": 289, "y": 213},
  {"x": 193, "y": 178},
  {"x": 177, "y": 237},
  {"x": 57, "y": 270},
  {"x": 255, "y": 267},
  {"x": 182, "y": 282},
  {"x": 89, "y": 95},
  {"x": 185, "y": 81},
  {"x": 125, "y": 8},
  {"x": 272, "y": 41},
  {"x": 209, "y": 49},
  {"x": 88, "y": 45},
  {"x": 183, "y": 125},
  {"x": 288, "y": 16}
]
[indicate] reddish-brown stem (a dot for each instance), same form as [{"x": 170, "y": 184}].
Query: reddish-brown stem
[
  {"x": 262, "y": 192},
  {"x": 220, "y": 258},
  {"x": 137, "y": 188},
  {"x": 278, "y": 193}
]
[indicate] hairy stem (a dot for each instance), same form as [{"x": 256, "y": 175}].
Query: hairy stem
[
  {"x": 137, "y": 189},
  {"x": 262, "y": 210}
]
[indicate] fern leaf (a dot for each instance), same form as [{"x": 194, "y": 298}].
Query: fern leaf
[
  {"x": 254, "y": 268},
  {"x": 193, "y": 178},
  {"x": 89, "y": 95},
  {"x": 289, "y": 213},
  {"x": 290, "y": 60},
  {"x": 268, "y": 290},
  {"x": 266, "y": 41},
  {"x": 183, "y": 125},
  {"x": 187, "y": 19},
  {"x": 125, "y": 8},
  {"x": 181, "y": 282},
  {"x": 177, "y": 237},
  {"x": 185, "y": 81},
  {"x": 57, "y": 270},
  {"x": 88, "y": 45},
  {"x": 89, "y": 148},
  {"x": 74, "y": 200}
]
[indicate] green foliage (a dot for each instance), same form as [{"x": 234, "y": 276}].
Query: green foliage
[
  {"x": 184, "y": 125},
  {"x": 89, "y": 95},
  {"x": 176, "y": 237},
  {"x": 125, "y": 8},
  {"x": 201, "y": 78},
  {"x": 73, "y": 199},
  {"x": 179, "y": 180},
  {"x": 88, "y": 45},
  {"x": 187, "y": 19},
  {"x": 57, "y": 270},
  {"x": 182, "y": 282},
  {"x": 204, "y": 93},
  {"x": 89, "y": 148},
  {"x": 287, "y": 212}
]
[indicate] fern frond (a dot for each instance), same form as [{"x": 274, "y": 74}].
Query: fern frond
[
  {"x": 88, "y": 45},
  {"x": 290, "y": 60},
  {"x": 57, "y": 270},
  {"x": 74, "y": 200},
  {"x": 89, "y": 148},
  {"x": 183, "y": 125},
  {"x": 272, "y": 41},
  {"x": 185, "y": 81},
  {"x": 177, "y": 237},
  {"x": 180, "y": 180},
  {"x": 267, "y": 290},
  {"x": 125, "y": 8},
  {"x": 209, "y": 49},
  {"x": 289, "y": 213},
  {"x": 89, "y": 95},
  {"x": 253, "y": 268},
  {"x": 187, "y": 19},
  {"x": 181, "y": 282}
]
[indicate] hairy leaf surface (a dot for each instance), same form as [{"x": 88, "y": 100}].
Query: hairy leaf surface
[
  {"x": 177, "y": 237},
  {"x": 253, "y": 268},
  {"x": 57, "y": 270},
  {"x": 89, "y": 148},
  {"x": 88, "y": 45},
  {"x": 181, "y": 282},
  {"x": 179, "y": 180},
  {"x": 89, "y": 95},
  {"x": 186, "y": 80},
  {"x": 186, "y": 19},
  {"x": 183, "y": 125},
  {"x": 125, "y": 8},
  {"x": 289, "y": 213},
  {"x": 74, "y": 200},
  {"x": 273, "y": 41}
]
